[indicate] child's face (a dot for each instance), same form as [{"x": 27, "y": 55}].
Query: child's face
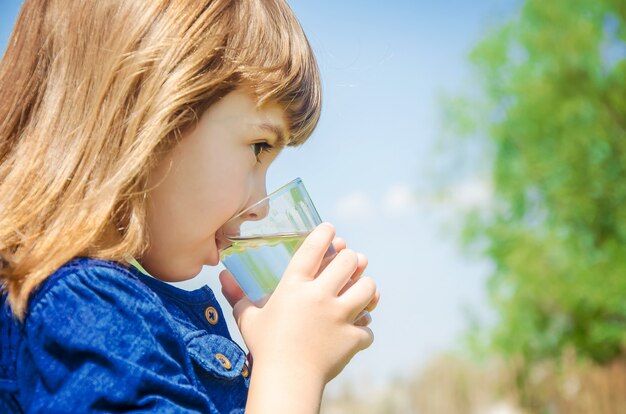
[{"x": 211, "y": 174}]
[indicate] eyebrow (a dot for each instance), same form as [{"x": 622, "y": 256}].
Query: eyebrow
[{"x": 281, "y": 136}]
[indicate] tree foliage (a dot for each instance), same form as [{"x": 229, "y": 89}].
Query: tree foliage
[{"x": 554, "y": 78}]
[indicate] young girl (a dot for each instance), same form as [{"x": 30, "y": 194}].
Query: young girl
[{"x": 130, "y": 132}]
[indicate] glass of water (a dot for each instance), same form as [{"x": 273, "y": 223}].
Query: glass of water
[{"x": 259, "y": 242}]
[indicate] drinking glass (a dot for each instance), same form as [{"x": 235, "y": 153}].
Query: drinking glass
[{"x": 259, "y": 242}]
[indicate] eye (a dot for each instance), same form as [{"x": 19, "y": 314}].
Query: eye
[{"x": 259, "y": 147}]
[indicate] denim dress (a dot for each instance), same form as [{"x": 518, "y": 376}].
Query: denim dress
[{"x": 103, "y": 337}]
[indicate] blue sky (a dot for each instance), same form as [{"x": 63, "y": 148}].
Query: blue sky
[{"x": 384, "y": 67}]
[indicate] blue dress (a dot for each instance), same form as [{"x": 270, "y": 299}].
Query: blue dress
[{"x": 103, "y": 337}]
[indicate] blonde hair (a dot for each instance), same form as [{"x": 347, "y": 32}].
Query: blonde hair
[{"x": 94, "y": 92}]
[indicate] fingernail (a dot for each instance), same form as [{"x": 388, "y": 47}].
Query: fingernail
[{"x": 363, "y": 319}]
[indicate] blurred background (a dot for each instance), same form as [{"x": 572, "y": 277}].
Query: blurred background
[{"x": 476, "y": 153}]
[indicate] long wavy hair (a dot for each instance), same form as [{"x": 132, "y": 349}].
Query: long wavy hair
[{"x": 94, "y": 92}]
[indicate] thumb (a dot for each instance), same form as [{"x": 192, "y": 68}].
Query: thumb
[{"x": 230, "y": 288}]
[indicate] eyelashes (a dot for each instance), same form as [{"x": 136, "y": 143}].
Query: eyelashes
[{"x": 259, "y": 148}]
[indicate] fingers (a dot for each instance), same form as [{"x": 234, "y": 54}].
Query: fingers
[
  {"x": 235, "y": 296},
  {"x": 339, "y": 244},
  {"x": 372, "y": 305},
  {"x": 357, "y": 274},
  {"x": 230, "y": 288},
  {"x": 359, "y": 296},
  {"x": 365, "y": 337},
  {"x": 241, "y": 309},
  {"x": 361, "y": 267},
  {"x": 307, "y": 259},
  {"x": 339, "y": 271},
  {"x": 328, "y": 257}
]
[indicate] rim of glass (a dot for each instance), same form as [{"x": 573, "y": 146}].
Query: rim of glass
[{"x": 273, "y": 194}]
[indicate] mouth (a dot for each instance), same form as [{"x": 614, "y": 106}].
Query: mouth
[
  {"x": 221, "y": 241},
  {"x": 213, "y": 258}
]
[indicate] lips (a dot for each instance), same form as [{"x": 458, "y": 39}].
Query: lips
[
  {"x": 221, "y": 241},
  {"x": 213, "y": 258}
]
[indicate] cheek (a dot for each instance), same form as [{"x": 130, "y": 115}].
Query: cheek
[
  {"x": 227, "y": 190},
  {"x": 206, "y": 186}
]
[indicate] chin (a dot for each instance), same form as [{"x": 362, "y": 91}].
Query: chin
[
  {"x": 186, "y": 272},
  {"x": 174, "y": 269},
  {"x": 181, "y": 277},
  {"x": 213, "y": 259}
]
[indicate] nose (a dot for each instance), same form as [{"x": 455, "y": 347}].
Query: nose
[{"x": 258, "y": 206}]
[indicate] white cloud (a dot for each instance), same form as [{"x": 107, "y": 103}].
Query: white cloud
[
  {"x": 472, "y": 193},
  {"x": 399, "y": 199},
  {"x": 355, "y": 206}
]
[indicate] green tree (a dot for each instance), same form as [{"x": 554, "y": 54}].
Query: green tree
[{"x": 553, "y": 79}]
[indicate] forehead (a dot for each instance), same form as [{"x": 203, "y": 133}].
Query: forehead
[{"x": 240, "y": 108}]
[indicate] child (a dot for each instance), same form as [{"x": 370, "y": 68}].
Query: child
[{"x": 130, "y": 132}]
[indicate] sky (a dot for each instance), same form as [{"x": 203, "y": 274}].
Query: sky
[{"x": 385, "y": 67}]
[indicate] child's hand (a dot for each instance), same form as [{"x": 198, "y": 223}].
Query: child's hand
[
  {"x": 364, "y": 318},
  {"x": 308, "y": 324}
]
